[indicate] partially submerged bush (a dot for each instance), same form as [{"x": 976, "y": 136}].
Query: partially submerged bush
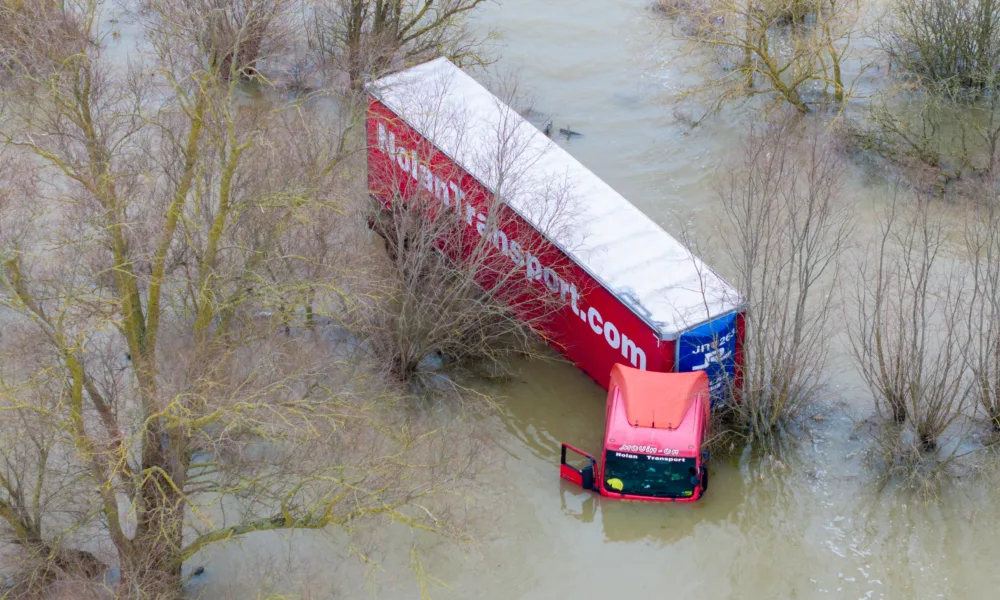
[
  {"x": 366, "y": 38},
  {"x": 907, "y": 334},
  {"x": 789, "y": 226},
  {"x": 932, "y": 137},
  {"x": 436, "y": 306},
  {"x": 946, "y": 44},
  {"x": 775, "y": 11},
  {"x": 36, "y": 35},
  {"x": 982, "y": 352},
  {"x": 792, "y": 50},
  {"x": 941, "y": 122},
  {"x": 897, "y": 458}
]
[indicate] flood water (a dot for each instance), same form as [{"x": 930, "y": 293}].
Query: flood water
[
  {"x": 811, "y": 526},
  {"x": 814, "y": 529}
]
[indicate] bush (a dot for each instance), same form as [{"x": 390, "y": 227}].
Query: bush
[
  {"x": 434, "y": 306},
  {"x": 982, "y": 239},
  {"x": 908, "y": 333},
  {"x": 946, "y": 44},
  {"x": 792, "y": 50},
  {"x": 789, "y": 227},
  {"x": 896, "y": 457}
]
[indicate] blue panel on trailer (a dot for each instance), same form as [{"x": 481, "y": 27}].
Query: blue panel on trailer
[{"x": 712, "y": 348}]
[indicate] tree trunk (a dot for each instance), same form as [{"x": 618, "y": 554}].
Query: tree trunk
[
  {"x": 150, "y": 566},
  {"x": 355, "y": 26},
  {"x": 151, "y": 569},
  {"x": 898, "y": 412}
]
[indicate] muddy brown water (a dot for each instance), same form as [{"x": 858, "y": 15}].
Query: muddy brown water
[
  {"x": 812, "y": 527},
  {"x": 816, "y": 529}
]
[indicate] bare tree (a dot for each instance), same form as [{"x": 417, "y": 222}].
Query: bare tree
[
  {"x": 231, "y": 35},
  {"x": 142, "y": 267},
  {"x": 782, "y": 198},
  {"x": 370, "y": 37},
  {"x": 907, "y": 334},
  {"x": 779, "y": 48}
]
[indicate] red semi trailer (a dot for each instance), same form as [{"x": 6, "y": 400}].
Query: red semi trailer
[{"x": 631, "y": 294}]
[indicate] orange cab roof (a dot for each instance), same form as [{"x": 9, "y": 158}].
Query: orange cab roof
[{"x": 657, "y": 400}]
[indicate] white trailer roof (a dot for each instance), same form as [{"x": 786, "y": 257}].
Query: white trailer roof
[{"x": 633, "y": 257}]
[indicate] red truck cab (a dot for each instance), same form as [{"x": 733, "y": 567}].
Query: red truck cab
[{"x": 656, "y": 425}]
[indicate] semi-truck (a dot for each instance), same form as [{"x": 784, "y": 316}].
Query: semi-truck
[{"x": 630, "y": 293}]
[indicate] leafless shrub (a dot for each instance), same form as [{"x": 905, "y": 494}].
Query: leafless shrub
[
  {"x": 37, "y": 520},
  {"x": 470, "y": 283},
  {"x": 784, "y": 11},
  {"x": 982, "y": 240},
  {"x": 676, "y": 8},
  {"x": 938, "y": 122},
  {"x": 436, "y": 308},
  {"x": 907, "y": 332},
  {"x": 933, "y": 138},
  {"x": 34, "y": 34},
  {"x": 782, "y": 198},
  {"x": 898, "y": 459},
  {"x": 947, "y": 45}
]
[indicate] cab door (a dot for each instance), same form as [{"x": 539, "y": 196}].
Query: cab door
[{"x": 584, "y": 475}]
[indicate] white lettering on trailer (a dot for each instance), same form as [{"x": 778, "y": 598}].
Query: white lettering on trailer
[
  {"x": 712, "y": 353},
  {"x": 595, "y": 320},
  {"x": 452, "y": 196},
  {"x": 611, "y": 335}
]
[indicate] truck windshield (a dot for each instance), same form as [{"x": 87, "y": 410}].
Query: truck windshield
[{"x": 646, "y": 475}]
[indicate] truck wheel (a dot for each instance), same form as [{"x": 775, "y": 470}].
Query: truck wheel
[{"x": 704, "y": 479}]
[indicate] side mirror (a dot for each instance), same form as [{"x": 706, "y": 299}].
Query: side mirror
[
  {"x": 695, "y": 481},
  {"x": 587, "y": 474}
]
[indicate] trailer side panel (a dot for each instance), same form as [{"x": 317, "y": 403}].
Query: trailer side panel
[{"x": 591, "y": 327}]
